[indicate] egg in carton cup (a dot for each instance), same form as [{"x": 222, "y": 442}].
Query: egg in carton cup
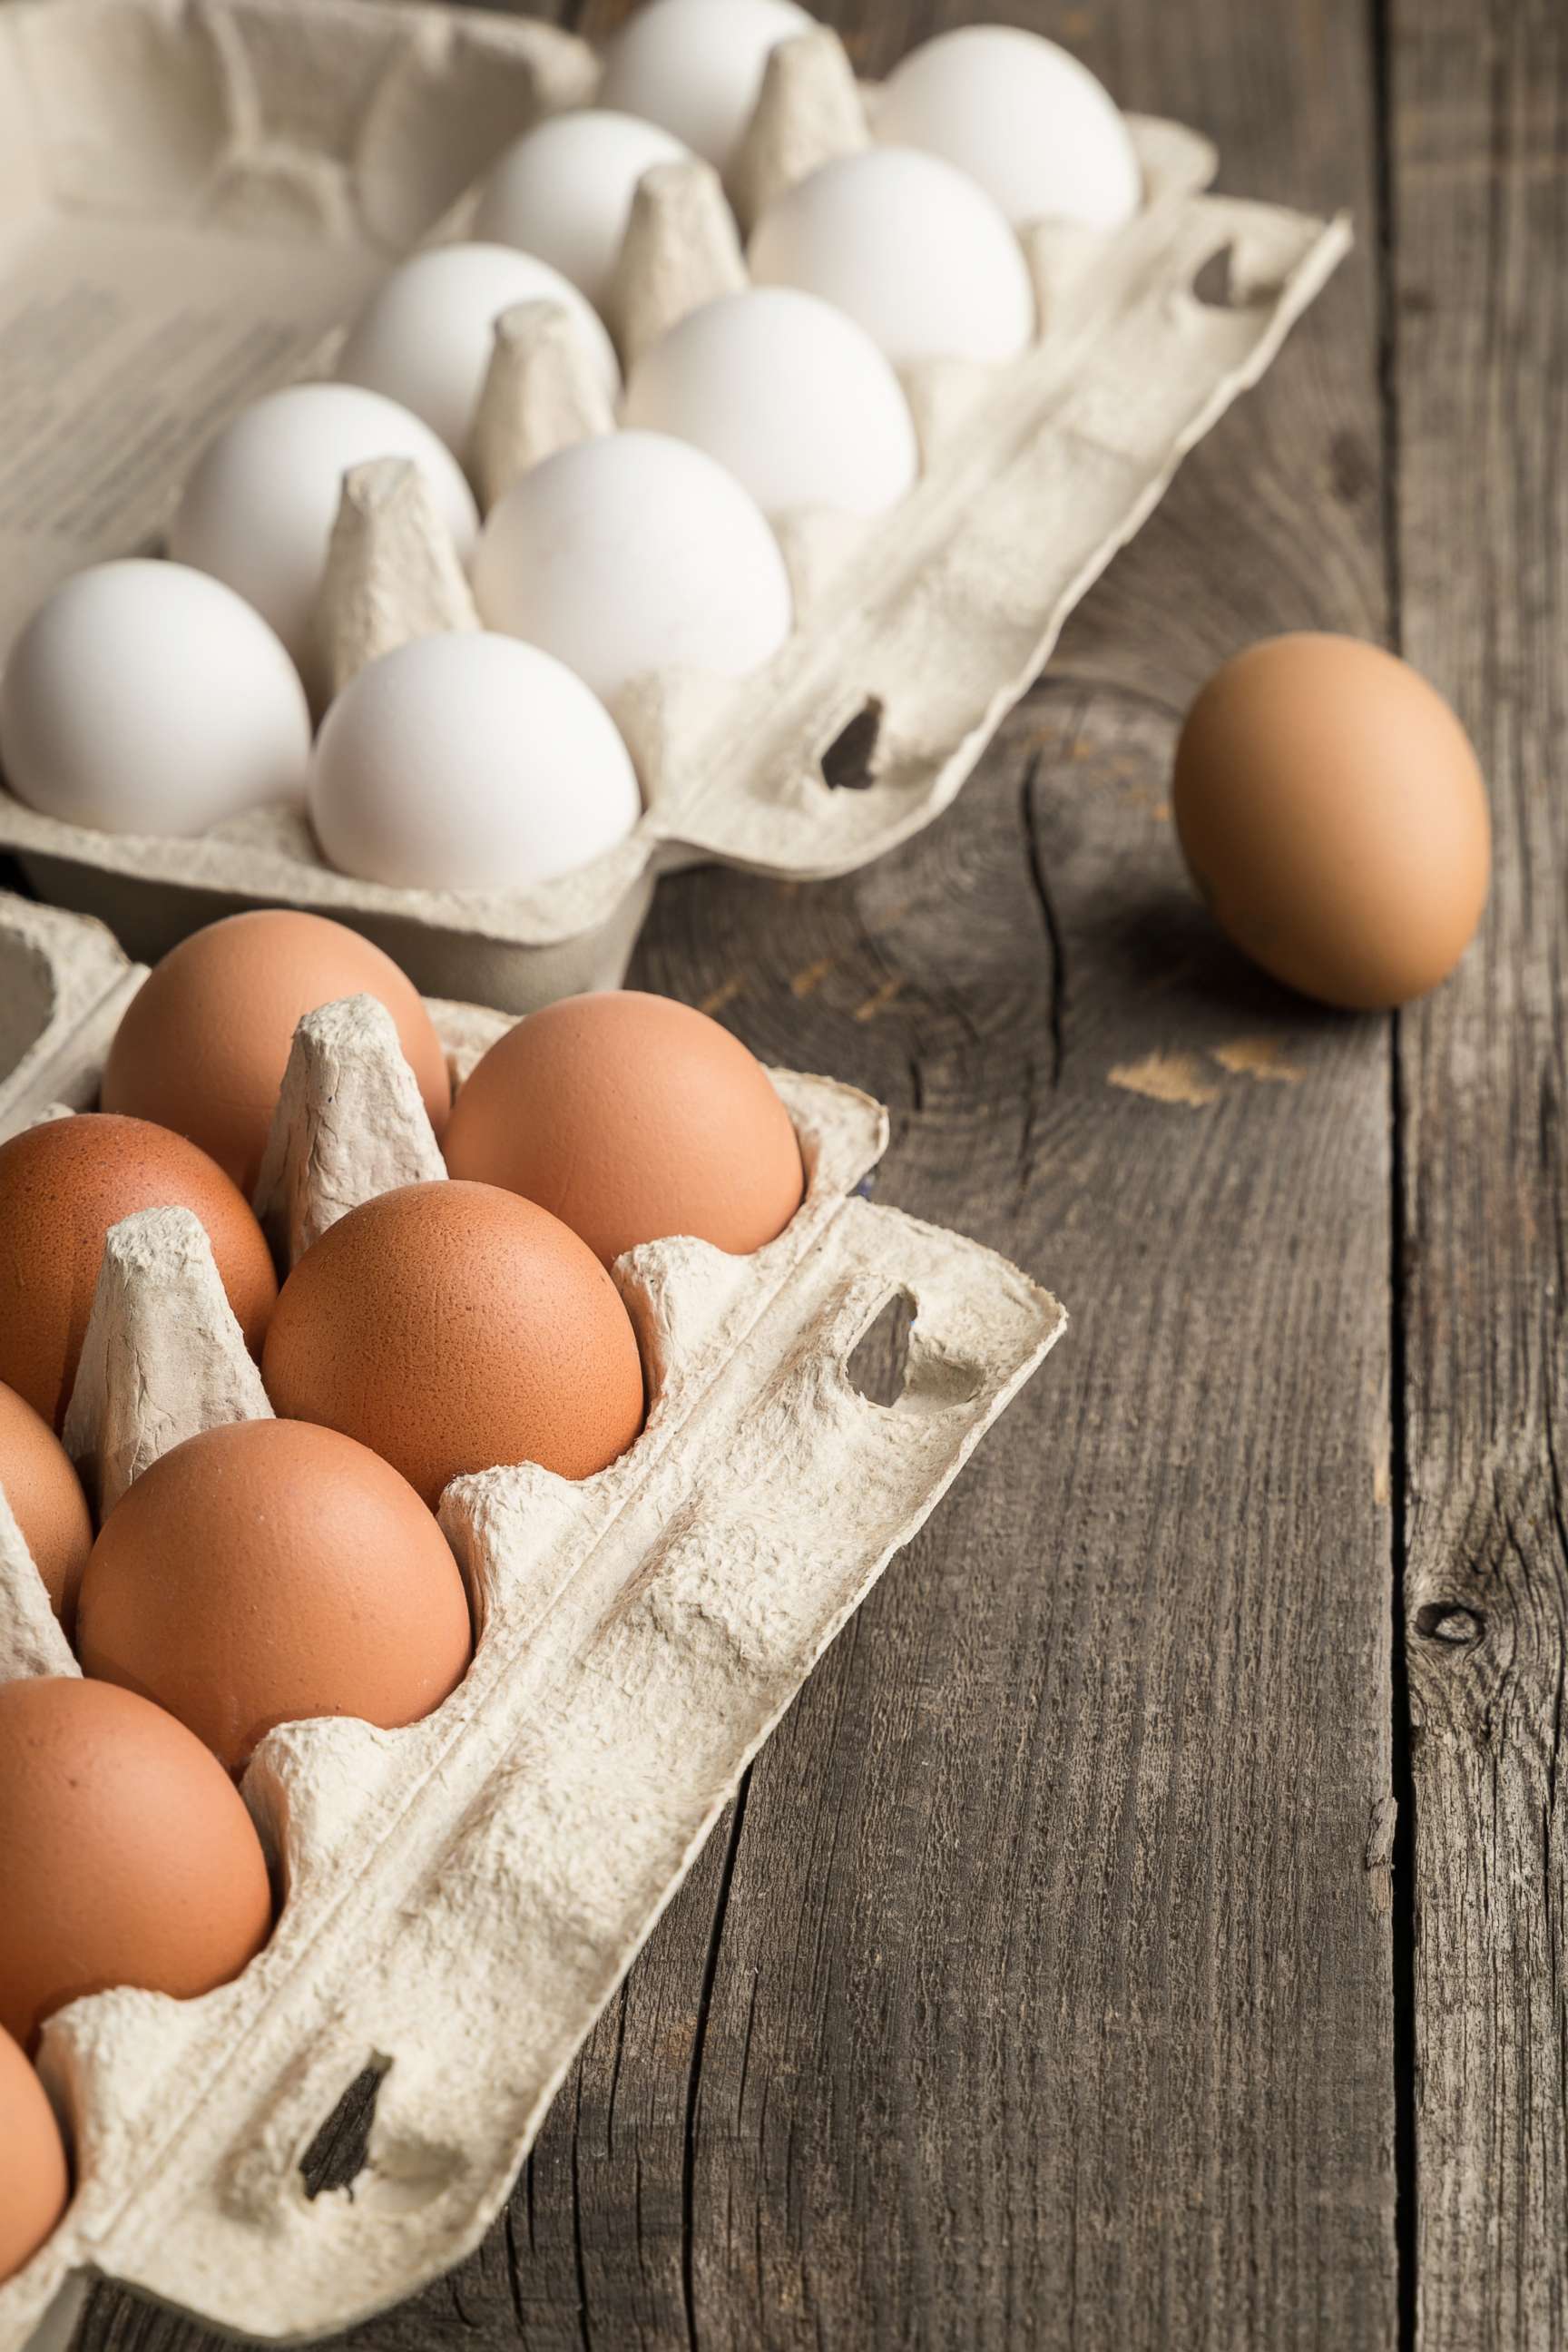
[
  {"x": 243, "y": 171},
  {"x": 460, "y": 1899}
]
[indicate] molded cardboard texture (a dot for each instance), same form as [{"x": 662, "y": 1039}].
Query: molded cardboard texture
[
  {"x": 278, "y": 153},
  {"x": 462, "y": 1898}
]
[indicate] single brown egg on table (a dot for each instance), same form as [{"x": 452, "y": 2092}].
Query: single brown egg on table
[
  {"x": 62, "y": 1185},
  {"x": 127, "y": 1856},
  {"x": 631, "y": 1117},
  {"x": 34, "y": 2180},
  {"x": 452, "y": 1327},
  {"x": 40, "y": 1482},
  {"x": 1333, "y": 817},
  {"x": 268, "y": 1572},
  {"x": 205, "y": 1042}
]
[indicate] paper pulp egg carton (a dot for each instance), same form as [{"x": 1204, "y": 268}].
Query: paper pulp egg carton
[
  {"x": 223, "y": 181},
  {"x": 464, "y": 1897}
]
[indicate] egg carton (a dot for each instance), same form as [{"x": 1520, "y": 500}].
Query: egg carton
[
  {"x": 282, "y": 153},
  {"x": 464, "y": 1897}
]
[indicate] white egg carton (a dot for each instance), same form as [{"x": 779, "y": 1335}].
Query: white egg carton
[
  {"x": 464, "y": 1897},
  {"x": 276, "y": 154}
]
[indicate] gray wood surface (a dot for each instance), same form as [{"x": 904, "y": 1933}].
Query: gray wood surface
[
  {"x": 1052, "y": 1981},
  {"x": 1479, "y": 328}
]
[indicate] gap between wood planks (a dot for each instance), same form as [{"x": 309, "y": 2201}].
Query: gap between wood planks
[{"x": 1402, "y": 1872}]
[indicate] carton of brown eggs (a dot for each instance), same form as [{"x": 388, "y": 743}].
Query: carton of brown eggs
[
  {"x": 461, "y": 1898},
  {"x": 279, "y": 155}
]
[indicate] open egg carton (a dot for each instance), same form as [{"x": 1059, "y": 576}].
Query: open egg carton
[
  {"x": 210, "y": 188},
  {"x": 462, "y": 1898}
]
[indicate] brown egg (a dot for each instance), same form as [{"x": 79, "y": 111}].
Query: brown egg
[
  {"x": 270, "y": 1572},
  {"x": 205, "y": 1044},
  {"x": 47, "y": 1501},
  {"x": 127, "y": 1856},
  {"x": 631, "y": 1117},
  {"x": 35, "y": 2184},
  {"x": 453, "y": 1327},
  {"x": 1333, "y": 814},
  {"x": 62, "y": 1185}
]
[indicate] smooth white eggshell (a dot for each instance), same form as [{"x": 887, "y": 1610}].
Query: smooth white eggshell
[
  {"x": 426, "y": 336},
  {"x": 697, "y": 66},
  {"x": 790, "y": 394},
  {"x": 469, "y": 763},
  {"x": 909, "y": 248},
  {"x": 146, "y": 697},
  {"x": 635, "y": 553},
  {"x": 258, "y": 510},
  {"x": 563, "y": 192},
  {"x": 1019, "y": 115}
]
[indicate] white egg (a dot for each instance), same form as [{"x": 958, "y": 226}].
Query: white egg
[
  {"x": 425, "y": 337},
  {"x": 469, "y": 763},
  {"x": 634, "y": 553},
  {"x": 145, "y": 698},
  {"x": 790, "y": 394},
  {"x": 259, "y": 510},
  {"x": 697, "y": 66},
  {"x": 1023, "y": 117},
  {"x": 909, "y": 247},
  {"x": 563, "y": 191}
]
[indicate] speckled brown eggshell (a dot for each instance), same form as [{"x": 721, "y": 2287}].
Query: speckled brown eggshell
[
  {"x": 1333, "y": 814},
  {"x": 62, "y": 1185},
  {"x": 631, "y": 1117},
  {"x": 205, "y": 1043},
  {"x": 127, "y": 1856},
  {"x": 270, "y": 1572},
  {"x": 452, "y": 1327},
  {"x": 40, "y": 1484},
  {"x": 35, "y": 2181}
]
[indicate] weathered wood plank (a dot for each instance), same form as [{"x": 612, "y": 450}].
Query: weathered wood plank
[
  {"x": 1480, "y": 158},
  {"x": 1039, "y": 1989}
]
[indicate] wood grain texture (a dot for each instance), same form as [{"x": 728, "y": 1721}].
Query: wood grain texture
[
  {"x": 1479, "y": 171},
  {"x": 1038, "y": 1989}
]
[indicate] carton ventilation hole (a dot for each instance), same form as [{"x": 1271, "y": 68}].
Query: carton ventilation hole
[
  {"x": 879, "y": 1363},
  {"x": 849, "y": 762},
  {"x": 338, "y": 2154}
]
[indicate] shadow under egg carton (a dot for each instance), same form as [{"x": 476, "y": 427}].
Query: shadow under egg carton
[
  {"x": 915, "y": 633},
  {"x": 461, "y": 1898}
]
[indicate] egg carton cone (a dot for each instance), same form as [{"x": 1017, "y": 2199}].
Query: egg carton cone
[
  {"x": 205, "y": 191},
  {"x": 463, "y": 1897}
]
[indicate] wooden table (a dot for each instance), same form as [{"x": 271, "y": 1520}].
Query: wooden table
[{"x": 1148, "y": 1928}]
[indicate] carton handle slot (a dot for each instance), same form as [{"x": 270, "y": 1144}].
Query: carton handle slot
[
  {"x": 1214, "y": 282},
  {"x": 1248, "y": 270},
  {"x": 849, "y": 762},
  {"x": 878, "y": 1365},
  {"x": 341, "y": 2149},
  {"x": 898, "y": 1361}
]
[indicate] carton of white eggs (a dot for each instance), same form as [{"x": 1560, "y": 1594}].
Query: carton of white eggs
[
  {"x": 866, "y": 463},
  {"x": 462, "y": 1898}
]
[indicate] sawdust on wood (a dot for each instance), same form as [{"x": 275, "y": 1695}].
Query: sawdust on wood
[
  {"x": 1258, "y": 1057},
  {"x": 1166, "y": 1078}
]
